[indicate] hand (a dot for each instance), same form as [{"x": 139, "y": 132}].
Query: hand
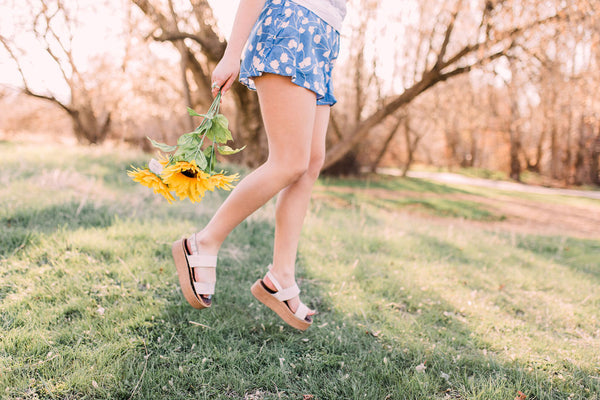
[{"x": 224, "y": 74}]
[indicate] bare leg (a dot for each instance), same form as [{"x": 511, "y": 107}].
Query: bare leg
[
  {"x": 292, "y": 204},
  {"x": 288, "y": 112}
]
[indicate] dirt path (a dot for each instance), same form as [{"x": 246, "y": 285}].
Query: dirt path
[
  {"x": 521, "y": 215},
  {"x": 541, "y": 218},
  {"x": 447, "y": 177}
]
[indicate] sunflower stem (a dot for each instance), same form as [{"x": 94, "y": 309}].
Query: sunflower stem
[{"x": 212, "y": 159}]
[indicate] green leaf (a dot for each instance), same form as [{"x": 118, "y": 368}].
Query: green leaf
[
  {"x": 204, "y": 126},
  {"x": 178, "y": 155},
  {"x": 200, "y": 159},
  {"x": 185, "y": 140},
  {"x": 193, "y": 113},
  {"x": 219, "y": 131},
  {"x": 226, "y": 150},
  {"x": 208, "y": 151},
  {"x": 221, "y": 120},
  {"x": 162, "y": 146}
]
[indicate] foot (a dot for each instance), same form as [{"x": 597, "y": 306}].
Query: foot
[
  {"x": 292, "y": 303},
  {"x": 201, "y": 250}
]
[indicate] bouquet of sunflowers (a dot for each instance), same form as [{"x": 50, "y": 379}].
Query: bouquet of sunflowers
[{"x": 186, "y": 168}]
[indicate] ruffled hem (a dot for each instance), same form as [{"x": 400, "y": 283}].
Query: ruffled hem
[
  {"x": 322, "y": 98},
  {"x": 247, "y": 79}
]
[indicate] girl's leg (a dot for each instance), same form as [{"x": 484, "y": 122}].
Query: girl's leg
[
  {"x": 288, "y": 113},
  {"x": 292, "y": 204}
]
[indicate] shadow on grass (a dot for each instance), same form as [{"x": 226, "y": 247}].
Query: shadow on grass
[
  {"x": 392, "y": 200},
  {"x": 394, "y": 184},
  {"x": 21, "y": 227},
  {"x": 113, "y": 324},
  {"x": 417, "y": 328},
  {"x": 144, "y": 341},
  {"x": 71, "y": 215},
  {"x": 238, "y": 348},
  {"x": 581, "y": 255}
]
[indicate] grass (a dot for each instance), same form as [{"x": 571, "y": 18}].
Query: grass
[{"x": 418, "y": 299}]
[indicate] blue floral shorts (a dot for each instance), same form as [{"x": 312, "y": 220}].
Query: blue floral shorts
[{"x": 290, "y": 40}]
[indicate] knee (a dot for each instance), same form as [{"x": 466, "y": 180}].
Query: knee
[
  {"x": 315, "y": 165},
  {"x": 289, "y": 170},
  {"x": 296, "y": 171}
]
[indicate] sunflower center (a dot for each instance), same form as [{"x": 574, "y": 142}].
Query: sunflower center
[{"x": 189, "y": 173}]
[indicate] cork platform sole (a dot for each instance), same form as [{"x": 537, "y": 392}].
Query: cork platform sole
[
  {"x": 184, "y": 271},
  {"x": 266, "y": 297}
]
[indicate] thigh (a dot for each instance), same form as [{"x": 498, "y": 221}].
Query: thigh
[
  {"x": 317, "y": 149},
  {"x": 288, "y": 112}
]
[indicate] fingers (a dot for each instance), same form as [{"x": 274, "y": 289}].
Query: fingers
[
  {"x": 228, "y": 84},
  {"x": 215, "y": 87},
  {"x": 224, "y": 75},
  {"x": 222, "y": 85}
]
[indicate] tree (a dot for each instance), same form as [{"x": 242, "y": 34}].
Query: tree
[
  {"x": 445, "y": 55},
  {"x": 194, "y": 33},
  {"x": 52, "y": 24}
]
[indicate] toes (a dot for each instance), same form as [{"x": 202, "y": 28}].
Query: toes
[{"x": 207, "y": 299}]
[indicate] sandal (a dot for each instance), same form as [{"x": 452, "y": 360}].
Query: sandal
[
  {"x": 194, "y": 291},
  {"x": 277, "y": 301}
]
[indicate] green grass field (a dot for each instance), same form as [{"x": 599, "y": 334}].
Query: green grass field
[{"x": 424, "y": 291}]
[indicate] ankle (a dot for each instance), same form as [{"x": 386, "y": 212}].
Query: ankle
[
  {"x": 204, "y": 245},
  {"x": 284, "y": 278}
]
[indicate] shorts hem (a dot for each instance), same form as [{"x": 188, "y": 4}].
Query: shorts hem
[{"x": 322, "y": 99}]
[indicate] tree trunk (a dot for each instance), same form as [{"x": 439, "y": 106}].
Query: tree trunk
[
  {"x": 451, "y": 137},
  {"x": 470, "y": 162},
  {"x": 513, "y": 128},
  {"x": 87, "y": 128},
  {"x": 535, "y": 166},
  {"x": 580, "y": 171},
  {"x": 410, "y": 154},
  {"x": 386, "y": 144},
  {"x": 184, "y": 83},
  {"x": 515, "y": 164},
  {"x": 595, "y": 160},
  {"x": 345, "y": 166},
  {"x": 567, "y": 170},
  {"x": 554, "y": 152},
  {"x": 247, "y": 126}
]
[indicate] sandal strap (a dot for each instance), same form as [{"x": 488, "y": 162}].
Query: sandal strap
[
  {"x": 205, "y": 288},
  {"x": 192, "y": 242},
  {"x": 288, "y": 293},
  {"x": 273, "y": 279},
  {"x": 283, "y": 294},
  {"x": 207, "y": 266},
  {"x": 198, "y": 261},
  {"x": 209, "y": 274},
  {"x": 302, "y": 311}
]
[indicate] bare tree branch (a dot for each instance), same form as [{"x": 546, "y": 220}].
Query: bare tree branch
[
  {"x": 26, "y": 87},
  {"x": 429, "y": 79},
  {"x": 449, "y": 30}
]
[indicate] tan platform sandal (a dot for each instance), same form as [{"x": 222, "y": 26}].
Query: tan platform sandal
[
  {"x": 277, "y": 301},
  {"x": 186, "y": 263}
]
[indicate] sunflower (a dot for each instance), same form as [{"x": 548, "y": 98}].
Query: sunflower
[
  {"x": 163, "y": 160},
  {"x": 187, "y": 180},
  {"x": 151, "y": 180},
  {"x": 222, "y": 181}
]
